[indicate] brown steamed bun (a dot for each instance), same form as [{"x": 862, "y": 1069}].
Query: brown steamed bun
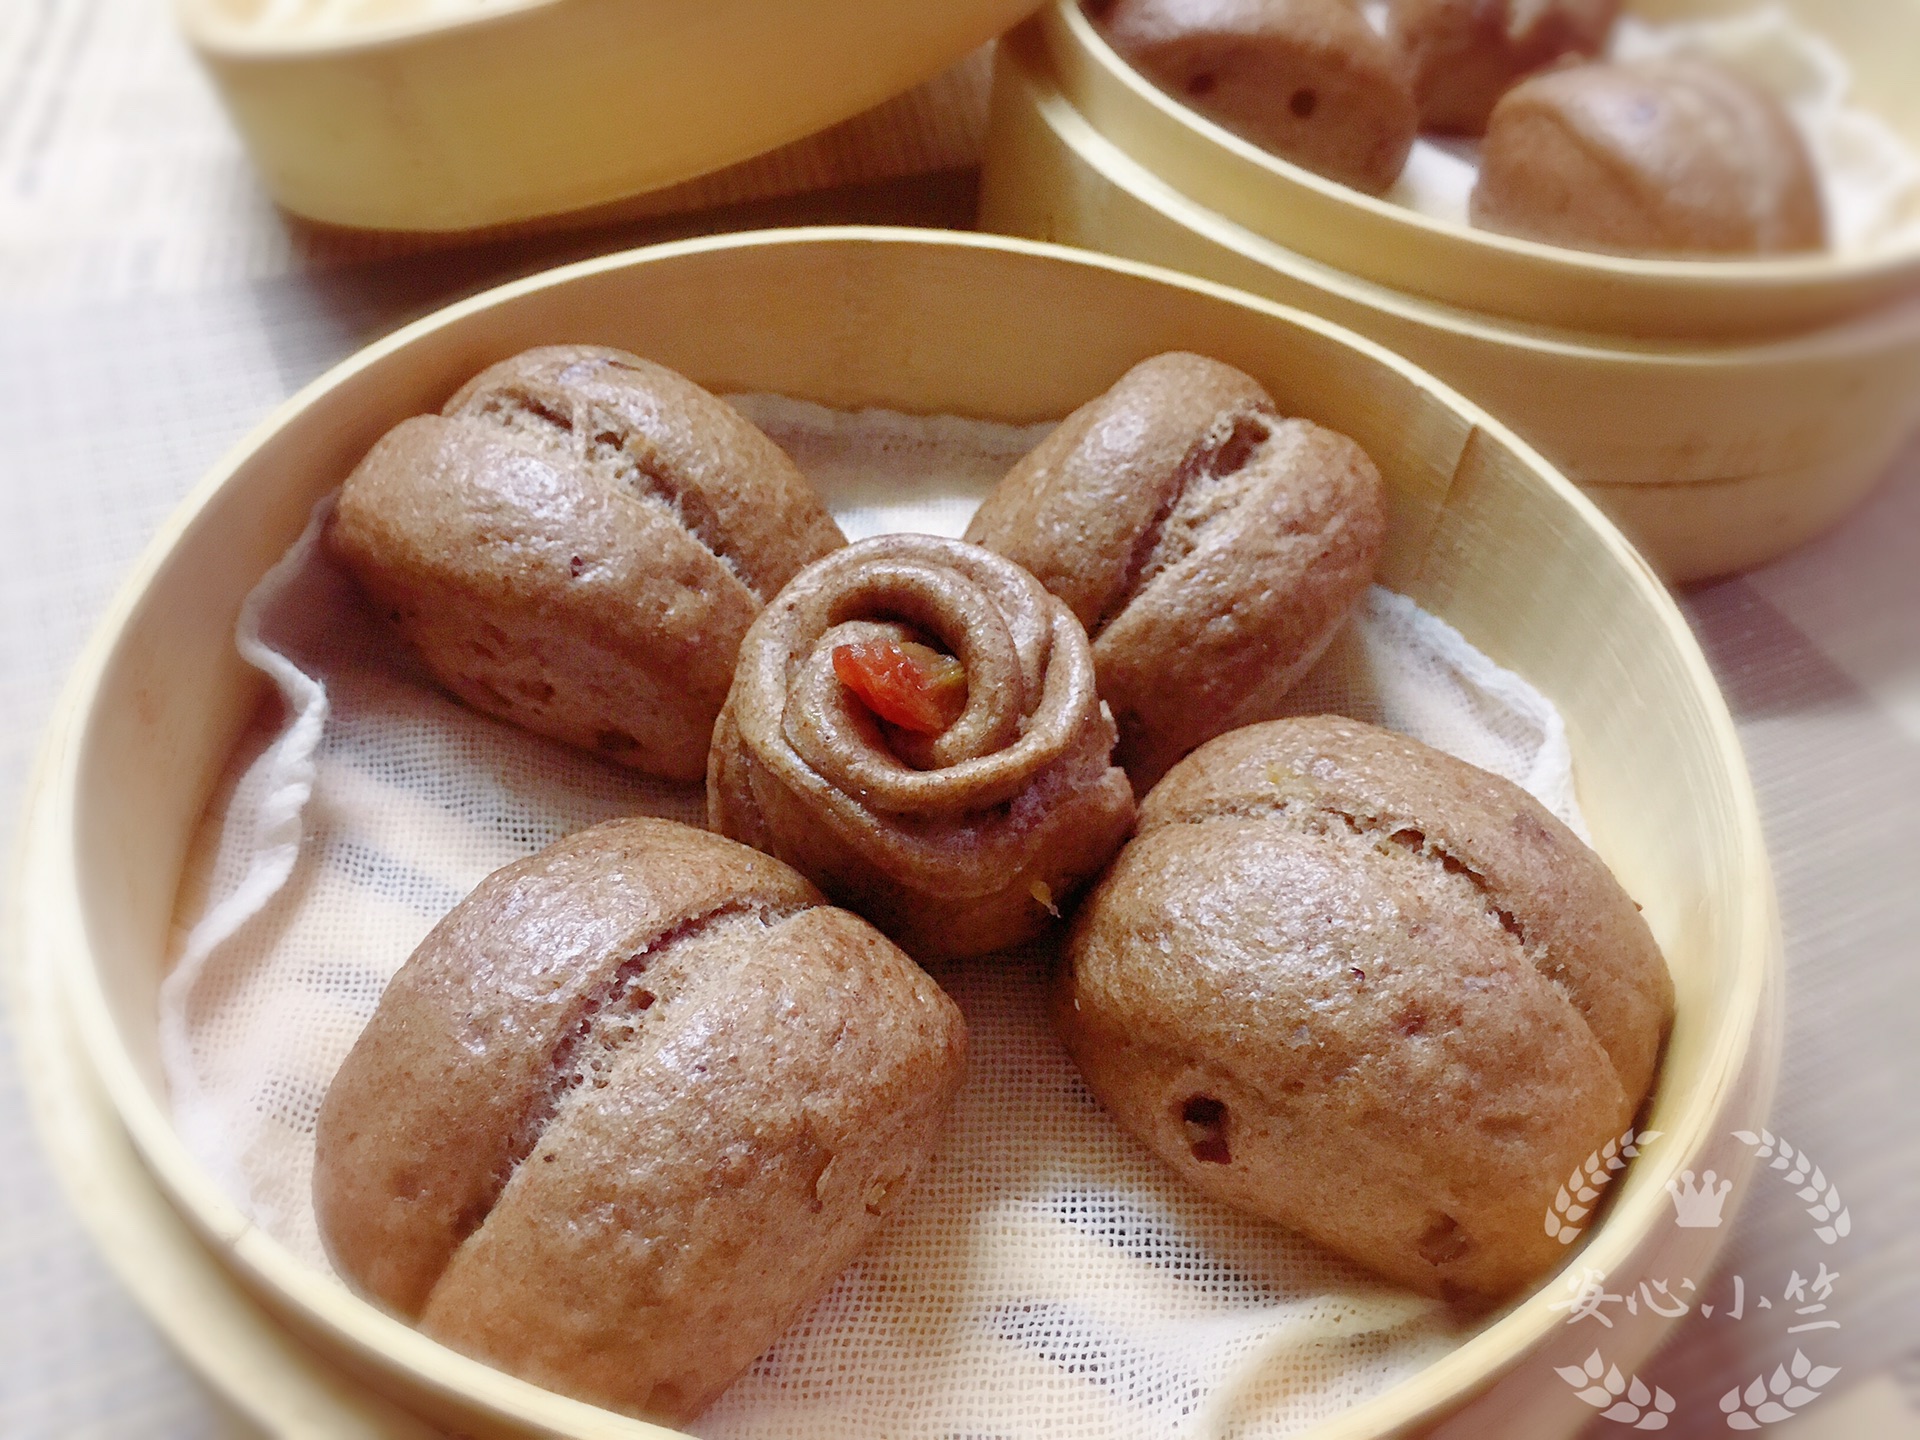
[
  {"x": 1308, "y": 80},
  {"x": 630, "y": 1106},
  {"x": 1211, "y": 547},
  {"x": 577, "y": 544},
  {"x": 1350, "y": 984},
  {"x": 955, "y": 842},
  {"x": 1666, "y": 157},
  {"x": 1464, "y": 55}
]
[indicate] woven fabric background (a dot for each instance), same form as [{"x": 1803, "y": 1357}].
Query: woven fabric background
[{"x": 154, "y": 306}]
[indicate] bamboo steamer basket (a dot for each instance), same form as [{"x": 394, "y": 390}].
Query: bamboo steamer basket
[
  {"x": 1483, "y": 533},
  {"x": 1713, "y": 458},
  {"x": 442, "y": 115},
  {"x": 1459, "y": 265}
]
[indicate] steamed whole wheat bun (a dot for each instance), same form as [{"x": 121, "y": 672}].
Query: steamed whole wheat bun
[
  {"x": 1668, "y": 157},
  {"x": 627, "y": 1109},
  {"x": 1210, "y": 547},
  {"x": 1465, "y": 54},
  {"x": 1350, "y": 984},
  {"x": 955, "y": 842},
  {"x": 576, "y": 544},
  {"x": 1308, "y": 80}
]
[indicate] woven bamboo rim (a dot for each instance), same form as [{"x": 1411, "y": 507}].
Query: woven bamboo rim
[{"x": 1501, "y": 275}]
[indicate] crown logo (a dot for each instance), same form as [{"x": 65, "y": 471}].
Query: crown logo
[{"x": 1697, "y": 1207}]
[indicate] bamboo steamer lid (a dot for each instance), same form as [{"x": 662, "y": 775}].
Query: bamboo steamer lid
[
  {"x": 1713, "y": 456},
  {"x": 447, "y": 115},
  {"x": 1484, "y": 534},
  {"x": 1458, "y": 265}
]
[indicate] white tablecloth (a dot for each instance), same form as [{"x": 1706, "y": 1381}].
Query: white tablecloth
[{"x": 153, "y": 306}]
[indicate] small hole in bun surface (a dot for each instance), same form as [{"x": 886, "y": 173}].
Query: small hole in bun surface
[
  {"x": 1303, "y": 103},
  {"x": 1444, "y": 1241},
  {"x": 1205, "y": 1119},
  {"x": 1249, "y": 434}
]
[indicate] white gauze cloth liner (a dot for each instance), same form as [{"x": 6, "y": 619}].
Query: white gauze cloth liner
[
  {"x": 1869, "y": 175},
  {"x": 1047, "y": 1276}
]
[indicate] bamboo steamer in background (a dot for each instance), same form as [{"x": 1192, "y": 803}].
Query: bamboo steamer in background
[
  {"x": 445, "y": 115},
  {"x": 1457, "y": 264},
  {"x": 1713, "y": 457},
  {"x": 1483, "y": 534}
]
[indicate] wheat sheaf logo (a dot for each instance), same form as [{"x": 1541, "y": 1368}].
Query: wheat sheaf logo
[
  {"x": 1769, "y": 1401},
  {"x": 1623, "y": 1399},
  {"x": 1574, "y": 1203},
  {"x": 1834, "y": 1223}
]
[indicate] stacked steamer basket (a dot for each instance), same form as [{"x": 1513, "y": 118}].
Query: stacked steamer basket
[
  {"x": 1720, "y": 411},
  {"x": 454, "y": 115},
  {"x": 1482, "y": 533}
]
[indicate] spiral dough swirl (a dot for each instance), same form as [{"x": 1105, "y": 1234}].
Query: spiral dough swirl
[{"x": 968, "y": 845}]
